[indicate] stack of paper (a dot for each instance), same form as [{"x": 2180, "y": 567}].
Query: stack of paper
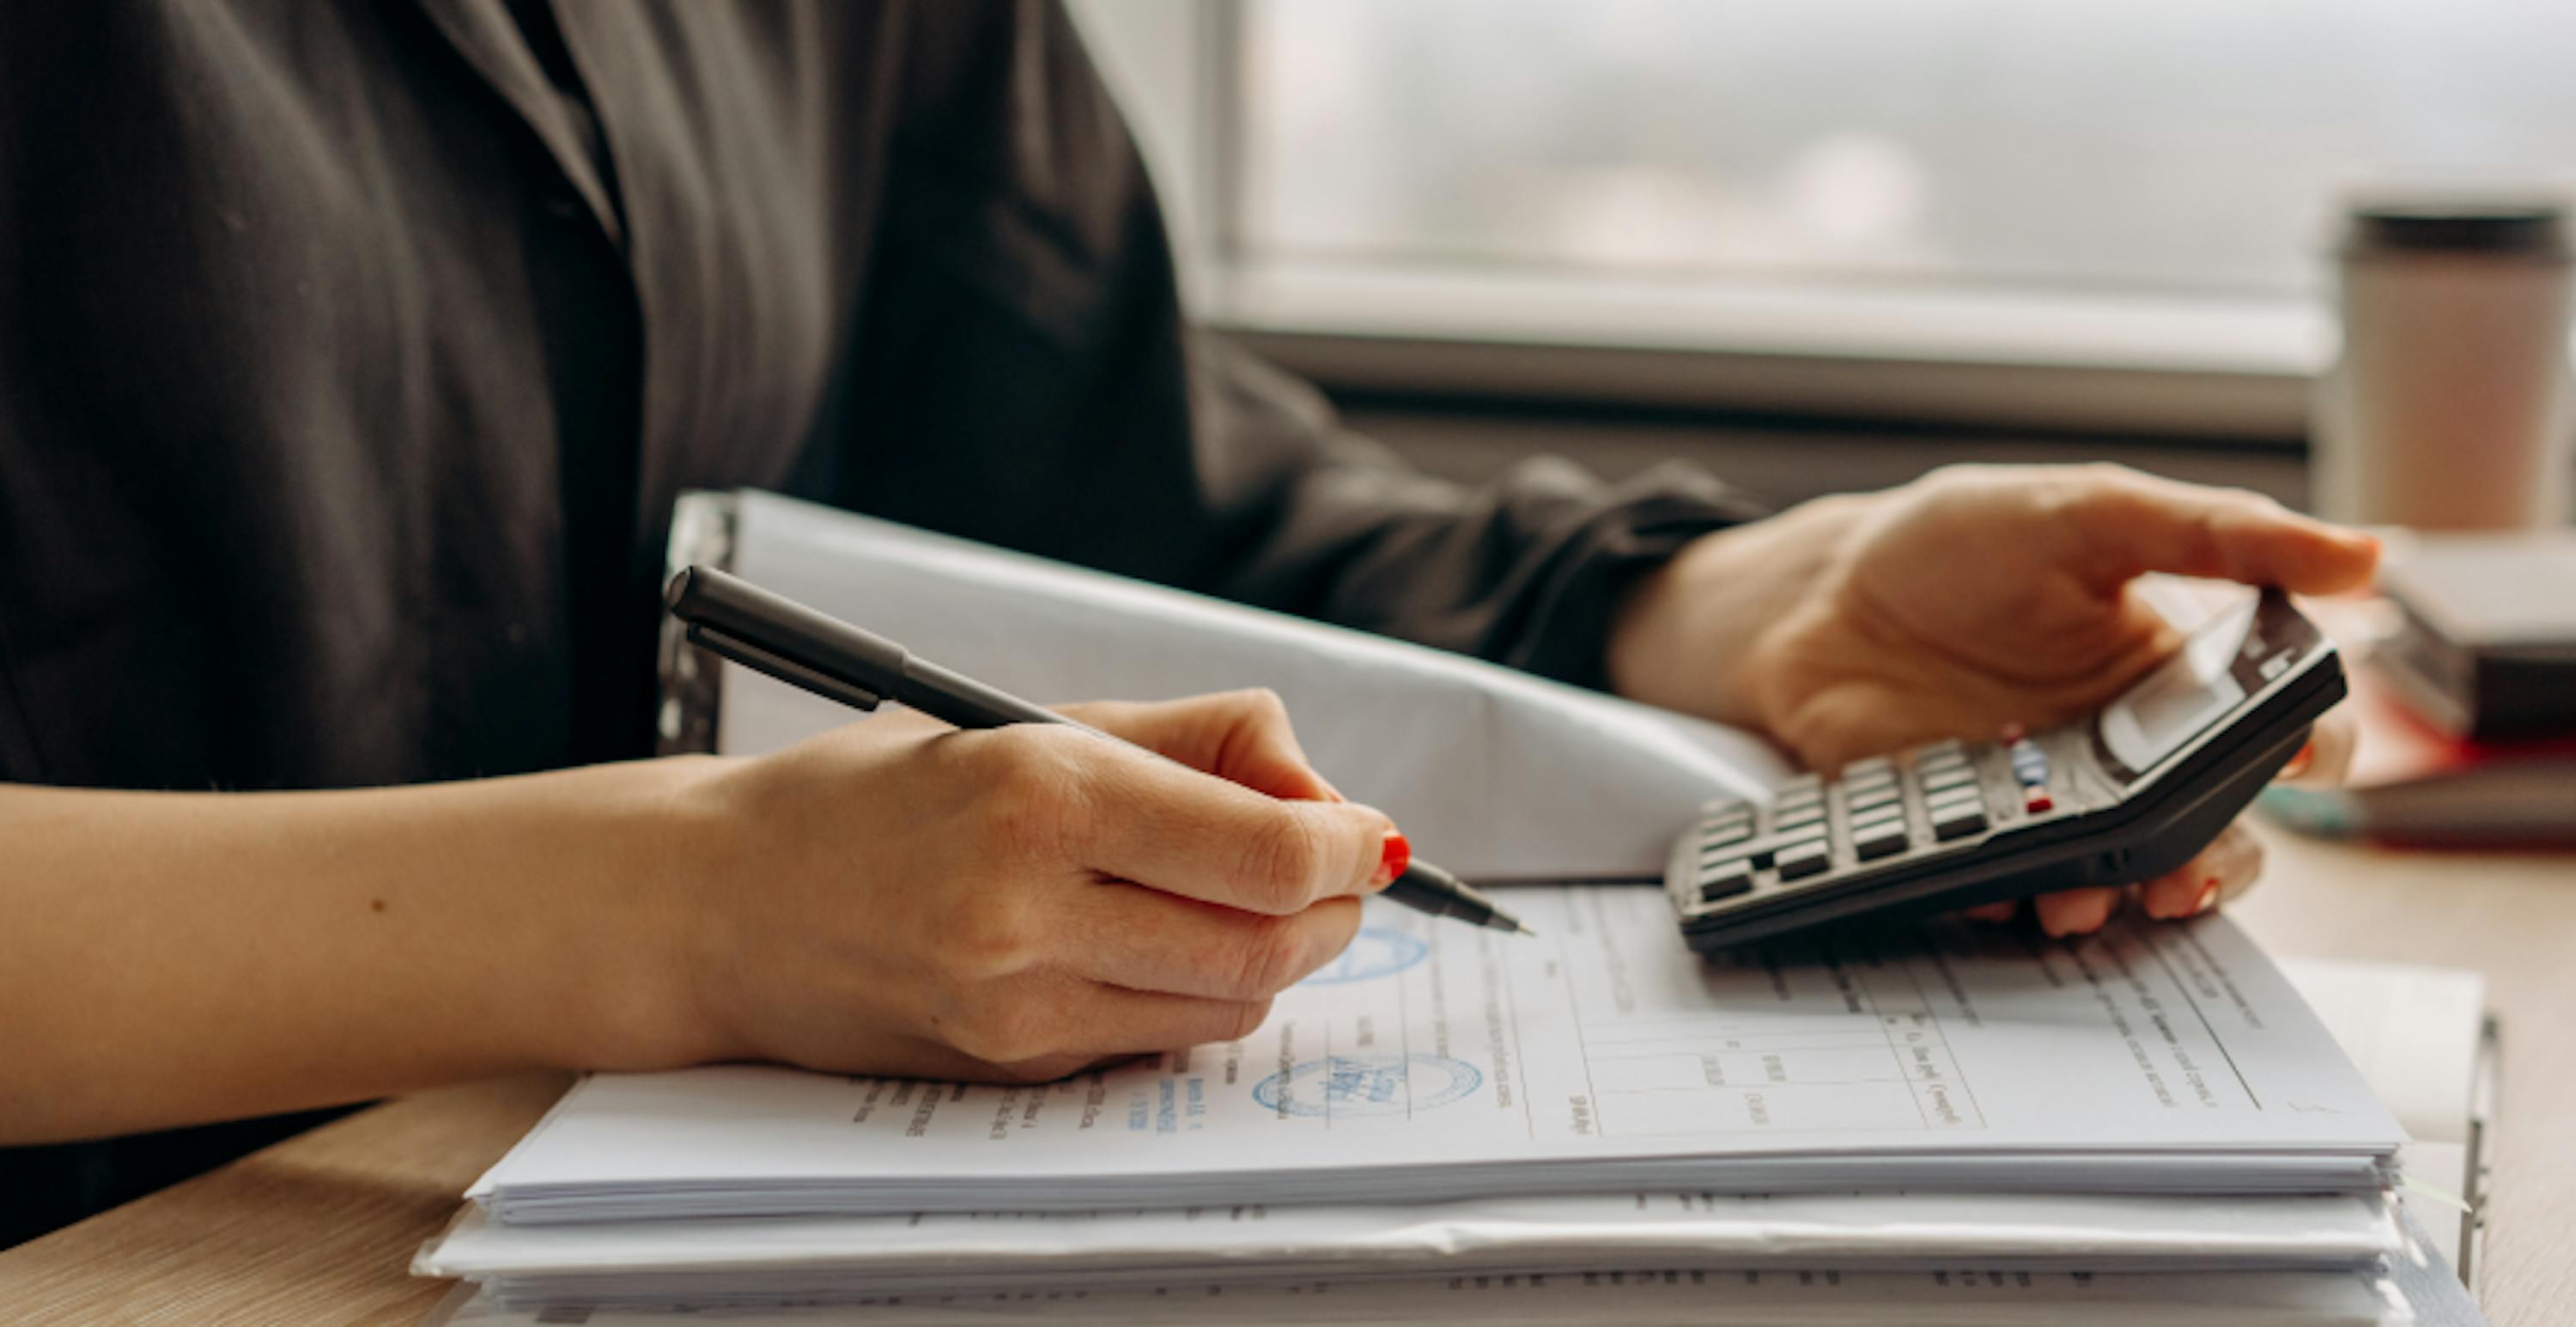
[
  {"x": 2156, "y": 1098},
  {"x": 844, "y": 1258},
  {"x": 1935, "y": 1124},
  {"x": 1610, "y": 1299},
  {"x": 1436, "y": 1062}
]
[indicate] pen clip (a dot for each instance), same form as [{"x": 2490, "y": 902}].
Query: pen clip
[{"x": 717, "y": 641}]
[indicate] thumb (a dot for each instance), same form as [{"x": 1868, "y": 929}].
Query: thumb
[{"x": 2127, "y": 524}]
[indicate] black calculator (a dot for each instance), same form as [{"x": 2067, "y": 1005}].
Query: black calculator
[{"x": 2130, "y": 792}]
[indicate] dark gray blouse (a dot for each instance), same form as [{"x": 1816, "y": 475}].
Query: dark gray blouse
[{"x": 351, "y": 357}]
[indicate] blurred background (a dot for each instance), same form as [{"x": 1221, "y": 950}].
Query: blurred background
[{"x": 1819, "y": 245}]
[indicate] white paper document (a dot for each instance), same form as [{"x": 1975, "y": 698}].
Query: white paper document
[
  {"x": 1606, "y": 1299},
  {"x": 1494, "y": 774},
  {"x": 1434, "y": 1062},
  {"x": 746, "y": 1260}
]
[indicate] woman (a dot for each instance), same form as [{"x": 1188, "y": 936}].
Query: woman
[{"x": 350, "y": 360}]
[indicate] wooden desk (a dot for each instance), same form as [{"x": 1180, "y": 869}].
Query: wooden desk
[
  {"x": 320, "y": 1228},
  {"x": 2514, "y": 919}
]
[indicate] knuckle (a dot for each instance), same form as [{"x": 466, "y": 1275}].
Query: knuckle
[
  {"x": 2250, "y": 501},
  {"x": 1247, "y": 1018},
  {"x": 1005, "y": 1032},
  {"x": 2203, "y": 538},
  {"x": 1272, "y": 958},
  {"x": 986, "y": 939},
  {"x": 1263, "y": 704},
  {"x": 1032, "y": 786},
  {"x": 1281, "y": 858},
  {"x": 1959, "y": 479},
  {"x": 2093, "y": 493}
]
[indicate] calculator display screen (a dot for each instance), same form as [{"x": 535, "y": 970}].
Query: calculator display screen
[{"x": 2227, "y": 660}]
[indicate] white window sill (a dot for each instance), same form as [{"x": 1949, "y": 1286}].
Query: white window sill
[{"x": 2203, "y": 366}]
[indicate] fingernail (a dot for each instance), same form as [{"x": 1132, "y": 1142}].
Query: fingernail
[
  {"x": 1397, "y": 856},
  {"x": 2299, "y": 763},
  {"x": 2208, "y": 895}
]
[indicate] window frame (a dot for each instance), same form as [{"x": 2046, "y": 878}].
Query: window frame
[{"x": 2219, "y": 369}]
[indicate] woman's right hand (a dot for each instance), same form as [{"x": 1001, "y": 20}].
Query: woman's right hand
[{"x": 900, "y": 897}]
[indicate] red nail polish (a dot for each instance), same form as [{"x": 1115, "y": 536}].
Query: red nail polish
[
  {"x": 2298, "y": 764},
  {"x": 1399, "y": 855},
  {"x": 2208, "y": 895}
]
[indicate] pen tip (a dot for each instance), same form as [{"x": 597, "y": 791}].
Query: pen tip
[{"x": 1523, "y": 928}]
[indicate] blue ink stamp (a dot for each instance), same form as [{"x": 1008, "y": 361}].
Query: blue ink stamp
[
  {"x": 1377, "y": 951},
  {"x": 1353, "y": 1085}
]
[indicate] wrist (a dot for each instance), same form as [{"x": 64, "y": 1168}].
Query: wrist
[
  {"x": 1691, "y": 636},
  {"x": 653, "y": 938}
]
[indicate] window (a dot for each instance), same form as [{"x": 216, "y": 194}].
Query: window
[
  {"x": 2146, "y": 184},
  {"x": 2178, "y": 145}
]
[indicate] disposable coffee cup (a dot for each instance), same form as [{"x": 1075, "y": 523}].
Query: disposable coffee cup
[{"x": 2451, "y": 406}]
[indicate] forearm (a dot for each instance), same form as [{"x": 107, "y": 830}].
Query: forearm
[{"x": 174, "y": 958}]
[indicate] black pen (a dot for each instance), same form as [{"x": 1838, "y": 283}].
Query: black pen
[{"x": 832, "y": 659}]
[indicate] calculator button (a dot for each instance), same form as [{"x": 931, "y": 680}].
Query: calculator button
[
  {"x": 1871, "y": 788},
  {"x": 1894, "y": 815},
  {"x": 1952, "y": 749},
  {"x": 1951, "y": 820},
  {"x": 1872, "y": 768},
  {"x": 1872, "y": 799},
  {"x": 1941, "y": 781},
  {"x": 1724, "y": 880},
  {"x": 1791, "y": 840},
  {"x": 1784, "y": 822},
  {"x": 1733, "y": 830},
  {"x": 1759, "y": 851},
  {"x": 1801, "y": 860},
  {"x": 1878, "y": 838},
  {"x": 1801, "y": 786}
]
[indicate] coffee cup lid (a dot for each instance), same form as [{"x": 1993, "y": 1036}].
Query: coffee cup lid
[{"x": 2532, "y": 228}]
